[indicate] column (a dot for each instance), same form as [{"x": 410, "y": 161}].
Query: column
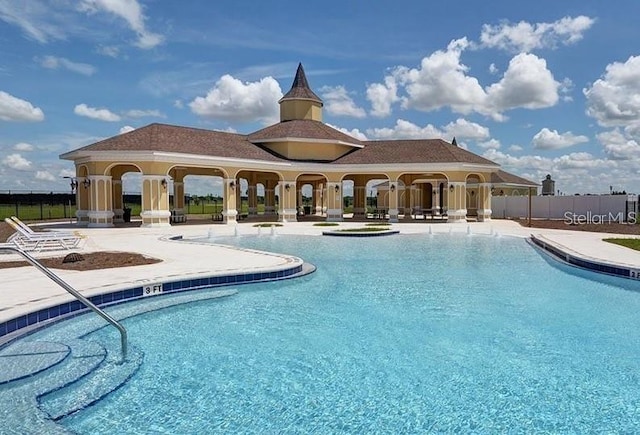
[
  {"x": 229, "y": 202},
  {"x": 299, "y": 201},
  {"x": 457, "y": 202},
  {"x": 334, "y": 202},
  {"x": 435, "y": 198},
  {"x": 252, "y": 193},
  {"x": 407, "y": 202},
  {"x": 178, "y": 202},
  {"x": 82, "y": 202},
  {"x": 318, "y": 197},
  {"x": 100, "y": 213},
  {"x": 287, "y": 201},
  {"x": 484, "y": 202},
  {"x": 117, "y": 206},
  {"x": 359, "y": 201},
  {"x": 394, "y": 193},
  {"x": 155, "y": 201},
  {"x": 269, "y": 197}
]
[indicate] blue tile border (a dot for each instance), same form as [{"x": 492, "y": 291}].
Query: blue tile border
[
  {"x": 31, "y": 320},
  {"x": 592, "y": 265}
]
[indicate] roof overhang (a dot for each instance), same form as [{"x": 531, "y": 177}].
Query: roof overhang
[{"x": 309, "y": 141}]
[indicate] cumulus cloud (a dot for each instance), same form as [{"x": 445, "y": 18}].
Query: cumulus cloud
[
  {"x": 382, "y": 96},
  {"x": 232, "y": 100},
  {"x": 15, "y": 109},
  {"x": 131, "y": 12},
  {"x": 463, "y": 129},
  {"x": 515, "y": 148},
  {"x": 356, "y": 133},
  {"x": 490, "y": 144},
  {"x": 45, "y": 175},
  {"x": 618, "y": 146},
  {"x": 547, "y": 139},
  {"x": 614, "y": 99},
  {"x": 93, "y": 113},
  {"x": 405, "y": 130},
  {"x": 144, "y": 114},
  {"x": 442, "y": 80},
  {"x": 16, "y": 161},
  {"x": 338, "y": 102},
  {"x": 126, "y": 129},
  {"x": 525, "y": 37},
  {"x": 23, "y": 146},
  {"x": 53, "y": 62}
]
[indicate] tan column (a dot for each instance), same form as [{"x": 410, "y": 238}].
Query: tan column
[
  {"x": 318, "y": 195},
  {"x": 484, "y": 202},
  {"x": 299, "y": 201},
  {"x": 435, "y": 198},
  {"x": 178, "y": 202},
  {"x": 82, "y": 201},
  {"x": 100, "y": 211},
  {"x": 155, "y": 201},
  {"x": 287, "y": 201},
  {"x": 229, "y": 202},
  {"x": 407, "y": 202},
  {"x": 269, "y": 197},
  {"x": 118, "y": 206},
  {"x": 334, "y": 201},
  {"x": 457, "y": 202},
  {"x": 252, "y": 193},
  {"x": 359, "y": 201},
  {"x": 394, "y": 194}
]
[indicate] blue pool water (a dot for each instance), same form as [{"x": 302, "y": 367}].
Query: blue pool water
[{"x": 402, "y": 334}]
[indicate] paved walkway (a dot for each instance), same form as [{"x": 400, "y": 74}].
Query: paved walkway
[{"x": 25, "y": 290}]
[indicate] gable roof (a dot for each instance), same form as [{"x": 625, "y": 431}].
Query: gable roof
[{"x": 504, "y": 177}]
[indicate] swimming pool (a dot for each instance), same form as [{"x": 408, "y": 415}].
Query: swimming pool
[{"x": 404, "y": 334}]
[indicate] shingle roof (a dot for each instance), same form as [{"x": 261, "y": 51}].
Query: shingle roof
[
  {"x": 504, "y": 177},
  {"x": 411, "y": 151},
  {"x": 170, "y": 138},
  {"x": 300, "y": 88},
  {"x": 301, "y": 129}
]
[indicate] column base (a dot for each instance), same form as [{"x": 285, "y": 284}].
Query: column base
[
  {"x": 100, "y": 219},
  {"x": 484, "y": 215},
  {"x": 155, "y": 218},
  {"x": 82, "y": 219},
  {"x": 334, "y": 215},
  {"x": 393, "y": 215},
  {"x": 457, "y": 216},
  {"x": 287, "y": 215}
]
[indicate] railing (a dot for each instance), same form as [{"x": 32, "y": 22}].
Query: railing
[{"x": 74, "y": 293}]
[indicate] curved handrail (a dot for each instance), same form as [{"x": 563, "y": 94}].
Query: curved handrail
[{"x": 74, "y": 293}]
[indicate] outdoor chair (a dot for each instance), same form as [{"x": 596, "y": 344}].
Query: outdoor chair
[{"x": 29, "y": 240}]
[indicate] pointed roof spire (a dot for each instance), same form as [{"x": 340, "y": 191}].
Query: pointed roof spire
[
  {"x": 300, "y": 89},
  {"x": 454, "y": 142}
]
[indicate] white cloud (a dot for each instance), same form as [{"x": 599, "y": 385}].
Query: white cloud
[
  {"x": 16, "y": 161},
  {"x": 382, "y": 96},
  {"x": 442, "y": 81},
  {"x": 108, "y": 50},
  {"x": 144, "y": 113},
  {"x": 232, "y": 100},
  {"x": 490, "y": 144},
  {"x": 614, "y": 99},
  {"x": 53, "y": 62},
  {"x": 493, "y": 69},
  {"x": 547, "y": 139},
  {"x": 527, "y": 83},
  {"x": 353, "y": 133},
  {"x": 45, "y": 175},
  {"x": 126, "y": 129},
  {"x": 93, "y": 113},
  {"x": 131, "y": 12},
  {"x": 461, "y": 128},
  {"x": 618, "y": 146},
  {"x": 15, "y": 109},
  {"x": 337, "y": 102},
  {"x": 515, "y": 148},
  {"x": 34, "y": 18},
  {"x": 525, "y": 37},
  {"x": 23, "y": 146}
]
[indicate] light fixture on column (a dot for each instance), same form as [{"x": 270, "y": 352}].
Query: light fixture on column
[
  {"x": 473, "y": 193},
  {"x": 287, "y": 187},
  {"x": 451, "y": 187},
  {"x": 86, "y": 183},
  {"x": 393, "y": 187},
  {"x": 232, "y": 184},
  {"x": 337, "y": 188},
  {"x": 73, "y": 183},
  {"x": 164, "y": 183}
]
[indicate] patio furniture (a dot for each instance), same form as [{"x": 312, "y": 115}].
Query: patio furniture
[{"x": 28, "y": 240}]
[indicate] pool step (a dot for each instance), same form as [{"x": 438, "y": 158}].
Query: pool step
[{"x": 87, "y": 390}]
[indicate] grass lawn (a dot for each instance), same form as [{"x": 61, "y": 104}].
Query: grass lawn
[{"x": 628, "y": 243}]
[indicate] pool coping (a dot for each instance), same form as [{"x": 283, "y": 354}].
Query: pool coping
[
  {"x": 573, "y": 258},
  {"x": 31, "y": 321},
  {"x": 346, "y": 233}
]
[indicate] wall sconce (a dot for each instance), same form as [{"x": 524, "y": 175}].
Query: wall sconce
[
  {"x": 392, "y": 187},
  {"x": 73, "y": 183},
  {"x": 164, "y": 183},
  {"x": 451, "y": 188},
  {"x": 337, "y": 188},
  {"x": 86, "y": 183},
  {"x": 232, "y": 184},
  {"x": 287, "y": 187},
  {"x": 473, "y": 193}
]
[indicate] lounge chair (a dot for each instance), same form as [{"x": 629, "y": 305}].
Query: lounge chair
[
  {"x": 28, "y": 229},
  {"x": 29, "y": 240}
]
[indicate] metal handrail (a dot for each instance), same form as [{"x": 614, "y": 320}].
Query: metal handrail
[{"x": 74, "y": 293}]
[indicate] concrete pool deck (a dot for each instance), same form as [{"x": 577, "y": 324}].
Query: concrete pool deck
[{"x": 26, "y": 290}]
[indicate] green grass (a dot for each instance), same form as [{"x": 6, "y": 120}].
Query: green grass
[
  {"x": 326, "y": 224},
  {"x": 363, "y": 230},
  {"x": 267, "y": 225},
  {"x": 377, "y": 224},
  {"x": 627, "y": 243},
  {"x": 37, "y": 212}
]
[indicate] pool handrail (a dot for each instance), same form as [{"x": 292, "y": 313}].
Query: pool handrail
[{"x": 55, "y": 278}]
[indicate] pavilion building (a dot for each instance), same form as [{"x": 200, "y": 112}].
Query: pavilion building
[{"x": 427, "y": 174}]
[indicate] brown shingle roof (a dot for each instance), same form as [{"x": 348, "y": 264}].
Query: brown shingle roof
[
  {"x": 301, "y": 129},
  {"x": 504, "y": 177},
  {"x": 411, "y": 151},
  {"x": 300, "y": 88},
  {"x": 187, "y": 140}
]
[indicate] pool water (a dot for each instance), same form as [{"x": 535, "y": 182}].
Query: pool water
[{"x": 402, "y": 334}]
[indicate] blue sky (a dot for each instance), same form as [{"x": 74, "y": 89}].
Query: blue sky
[{"x": 538, "y": 87}]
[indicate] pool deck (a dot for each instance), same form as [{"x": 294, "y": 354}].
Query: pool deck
[{"x": 26, "y": 290}]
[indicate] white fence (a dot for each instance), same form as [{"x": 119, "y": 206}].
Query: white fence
[{"x": 563, "y": 207}]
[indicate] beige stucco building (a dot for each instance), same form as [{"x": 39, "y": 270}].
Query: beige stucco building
[{"x": 429, "y": 175}]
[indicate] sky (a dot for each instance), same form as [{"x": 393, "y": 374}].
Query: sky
[{"x": 544, "y": 87}]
